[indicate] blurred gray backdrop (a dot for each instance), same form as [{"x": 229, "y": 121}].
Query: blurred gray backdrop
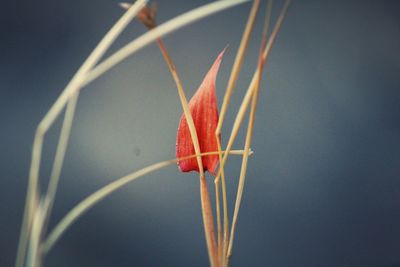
[{"x": 323, "y": 186}]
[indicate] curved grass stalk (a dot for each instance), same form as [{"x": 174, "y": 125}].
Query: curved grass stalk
[
  {"x": 161, "y": 30},
  {"x": 59, "y": 159},
  {"x": 35, "y": 257},
  {"x": 105, "y": 191},
  {"x": 49, "y": 119},
  {"x": 219, "y": 225}
]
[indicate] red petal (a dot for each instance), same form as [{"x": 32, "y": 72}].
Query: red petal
[{"x": 204, "y": 110}]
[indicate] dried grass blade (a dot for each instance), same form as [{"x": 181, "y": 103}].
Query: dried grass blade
[
  {"x": 262, "y": 60},
  {"x": 51, "y": 116},
  {"x": 162, "y": 30},
  {"x": 105, "y": 191}
]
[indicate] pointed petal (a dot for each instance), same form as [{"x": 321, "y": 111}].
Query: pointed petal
[{"x": 204, "y": 110}]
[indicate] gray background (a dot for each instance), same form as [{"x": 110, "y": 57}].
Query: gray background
[{"x": 323, "y": 186}]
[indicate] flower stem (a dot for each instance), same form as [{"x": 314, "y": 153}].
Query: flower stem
[{"x": 208, "y": 220}]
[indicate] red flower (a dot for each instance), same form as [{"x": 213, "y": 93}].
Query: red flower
[{"x": 204, "y": 110}]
